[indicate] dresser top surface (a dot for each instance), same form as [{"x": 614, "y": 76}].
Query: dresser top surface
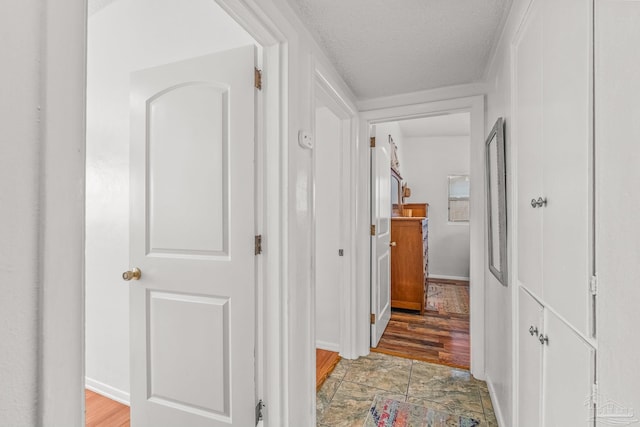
[{"x": 408, "y": 218}]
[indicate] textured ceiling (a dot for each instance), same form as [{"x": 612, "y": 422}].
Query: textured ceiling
[
  {"x": 389, "y": 47},
  {"x": 445, "y": 125}
]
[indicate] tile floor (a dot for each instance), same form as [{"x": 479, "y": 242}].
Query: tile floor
[{"x": 346, "y": 396}]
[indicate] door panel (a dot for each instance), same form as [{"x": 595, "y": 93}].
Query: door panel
[
  {"x": 380, "y": 250},
  {"x": 530, "y": 360},
  {"x": 569, "y": 375},
  {"x": 566, "y": 168},
  {"x": 528, "y": 52},
  {"x": 171, "y": 318},
  {"x": 192, "y": 234},
  {"x": 195, "y": 221}
]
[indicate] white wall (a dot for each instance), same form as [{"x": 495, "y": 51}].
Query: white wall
[
  {"x": 499, "y": 300},
  {"x": 19, "y": 217},
  {"x": 617, "y": 86},
  {"x": 51, "y": 78},
  {"x": 428, "y": 161},
  {"x": 125, "y": 36},
  {"x": 42, "y": 198},
  {"x": 328, "y": 265}
]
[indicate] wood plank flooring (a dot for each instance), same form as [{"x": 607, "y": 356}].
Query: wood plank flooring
[
  {"x": 104, "y": 412},
  {"x": 326, "y": 361},
  {"x": 436, "y": 337}
]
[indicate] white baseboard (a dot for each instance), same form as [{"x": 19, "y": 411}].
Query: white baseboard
[
  {"x": 107, "y": 391},
  {"x": 440, "y": 276},
  {"x": 494, "y": 402},
  {"x": 329, "y": 346}
]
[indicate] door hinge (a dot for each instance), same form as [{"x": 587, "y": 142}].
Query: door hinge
[
  {"x": 258, "y": 244},
  {"x": 259, "y": 411},
  {"x": 373, "y": 318},
  {"x": 340, "y": 252},
  {"x": 593, "y": 285},
  {"x": 373, "y": 230},
  {"x": 258, "y": 79},
  {"x": 372, "y": 141}
]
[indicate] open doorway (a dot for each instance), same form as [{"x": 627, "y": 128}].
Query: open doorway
[
  {"x": 125, "y": 37},
  {"x": 372, "y": 288},
  {"x": 329, "y": 249},
  {"x": 334, "y": 146},
  {"x": 429, "y": 238}
]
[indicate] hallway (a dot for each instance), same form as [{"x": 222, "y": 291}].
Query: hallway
[{"x": 439, "y": 336}]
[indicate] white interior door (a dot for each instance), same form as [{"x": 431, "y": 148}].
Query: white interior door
[
  {"x": 192, "y": 236},
  {"x": 566, "y": 167},
  {"x": 380, "y": 239}
]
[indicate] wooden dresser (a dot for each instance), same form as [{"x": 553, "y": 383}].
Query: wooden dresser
[{"x": 409, "y": 262}]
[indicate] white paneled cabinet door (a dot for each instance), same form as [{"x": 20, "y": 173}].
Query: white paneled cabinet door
[
  {"x": 568, "y": 376},
  {"x": 552, "y": 61},
  {"x": 528, "y": 133},
  {"x": 566, "y": 168},
  {"x": 530, "y": 327},
  {"x": 380, "y": 239},
  {"x": 192, "y": 236}
]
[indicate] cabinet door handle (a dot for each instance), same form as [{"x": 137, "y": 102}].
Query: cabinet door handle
[
  {"x": 533, "y": 331},
  {"x": 538, "y": 203},
  {"x": 543, "y": 340},
  {"x": 392, "y": 244}
]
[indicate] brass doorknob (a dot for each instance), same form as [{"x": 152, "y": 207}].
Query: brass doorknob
[
  {"x": 392, "y": 243},
  {"x": 133, "y": 274}
]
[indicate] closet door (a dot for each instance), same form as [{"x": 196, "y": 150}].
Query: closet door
[
  {"x": 566, "y": 47},
  {"x": 568, "y": 376},
  {"x": 528, "y": 144},
  {"x": 530, "y": 360}
]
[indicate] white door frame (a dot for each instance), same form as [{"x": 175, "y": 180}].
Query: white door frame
[
  {"x": 475, "y": 106},
  {"x": 338, "y": 105},
  {"x": 347, "y": 114},
  {"x": 62, "y": 330}
]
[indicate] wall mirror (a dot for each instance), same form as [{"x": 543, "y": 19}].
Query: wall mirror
[{"x": 497, "y": 201}]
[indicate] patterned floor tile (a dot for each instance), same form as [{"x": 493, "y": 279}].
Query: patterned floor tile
[
  {"x": 341, "y": 369},
  {"x": 465, "y": 410},
  {"x": 453, "y": 389},
  {"x": 381, "y": 371},
  {"x": 325, "y": 394},
  {"x": 346, "y": 397},
  {"x": 350, "y": 405},
  {"x": 427, "y": 378}
]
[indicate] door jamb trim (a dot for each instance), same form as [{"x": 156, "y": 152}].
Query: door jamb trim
[
  {"x": 61, "y": 367},
  {"x": 474, "y": 105}
]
